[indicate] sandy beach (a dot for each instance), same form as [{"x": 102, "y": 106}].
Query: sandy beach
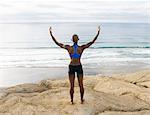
[{"x": 120, "y": 94}]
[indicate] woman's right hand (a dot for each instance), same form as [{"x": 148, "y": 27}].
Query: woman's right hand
[{"x": 50, "y": 29}]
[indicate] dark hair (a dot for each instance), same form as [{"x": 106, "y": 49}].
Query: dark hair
[
  {"x": 75, "y": 35},
  {"x": 75, "y": 40}
]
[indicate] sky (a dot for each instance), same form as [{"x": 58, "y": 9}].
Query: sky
[{"x": 75, "y": 10}]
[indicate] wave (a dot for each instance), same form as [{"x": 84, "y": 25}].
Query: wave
[
  {"x": 121, "y": 47},
  {"x": 89, "y": 47}
]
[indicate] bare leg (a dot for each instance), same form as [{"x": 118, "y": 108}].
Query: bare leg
[
  {"x": 80, "y": 81},
  {"x": 71, "y": 79}
]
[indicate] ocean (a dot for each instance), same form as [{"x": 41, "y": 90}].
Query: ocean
[{"x": 119, "y": 47}]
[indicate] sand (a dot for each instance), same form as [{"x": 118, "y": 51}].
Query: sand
[{"x": 121, "y": 94}]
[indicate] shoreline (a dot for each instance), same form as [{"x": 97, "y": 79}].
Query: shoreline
[{"x": 15, "y": 76}]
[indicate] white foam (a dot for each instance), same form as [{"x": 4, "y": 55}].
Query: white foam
[{"x": 60, "y": 57}]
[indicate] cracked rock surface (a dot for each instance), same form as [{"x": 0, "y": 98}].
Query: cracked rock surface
[{"x": 104, "y": 95}]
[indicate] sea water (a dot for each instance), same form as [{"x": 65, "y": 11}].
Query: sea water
[{"x": 119, "y": 46}]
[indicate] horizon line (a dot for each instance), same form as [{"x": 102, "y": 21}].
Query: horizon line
[{"x": 68, "y": 21}]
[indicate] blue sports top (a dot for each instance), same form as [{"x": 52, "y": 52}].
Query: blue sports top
[{"x": 75, "y": 54}]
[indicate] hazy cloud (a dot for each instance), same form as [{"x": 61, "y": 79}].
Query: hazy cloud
[{"x": 74, "y": 10}]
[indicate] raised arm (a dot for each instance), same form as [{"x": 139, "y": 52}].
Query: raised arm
[
  {"x": 59, "y": 44},
  {"x": 90, "y": 43}
]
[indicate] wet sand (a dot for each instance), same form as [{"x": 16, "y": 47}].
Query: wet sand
[{"x": 15, "y": 76}]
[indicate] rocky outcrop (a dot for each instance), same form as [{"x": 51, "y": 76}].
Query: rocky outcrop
[{"x": 117, "y": 95}]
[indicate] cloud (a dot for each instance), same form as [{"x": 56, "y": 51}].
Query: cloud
[{"x": 73, "y": 10}]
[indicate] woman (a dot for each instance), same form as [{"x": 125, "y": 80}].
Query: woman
[{"x": 75, "y": 51}]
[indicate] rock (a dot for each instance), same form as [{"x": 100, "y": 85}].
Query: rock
[
  {"x": 54, "y": 83},
  {"x": 103, "y": 96},
  {"x": 26, "y": 88},
  {"x": 145, "y": 84},
  {"x": 116, "y": 87},
  {"x": 144, "y": 112},
  {"x": 120, "y": 87},
  {"x": 3, "y": 94},
  {"x": 140, "y": 76}
]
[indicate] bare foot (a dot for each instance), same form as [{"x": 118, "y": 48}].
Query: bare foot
[
  {"x": 82, "y": 101},
  {"x": 72, "y": 102}
]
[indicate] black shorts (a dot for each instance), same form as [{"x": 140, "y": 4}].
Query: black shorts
[{"x": 75, "y": 68}]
